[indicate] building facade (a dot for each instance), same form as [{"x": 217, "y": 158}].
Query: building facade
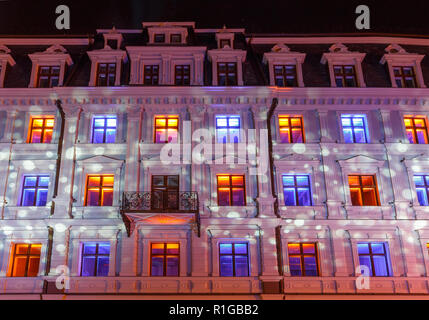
[{"x": 179, "y": 162}]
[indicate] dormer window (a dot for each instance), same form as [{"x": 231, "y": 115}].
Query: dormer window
[
  {"x": 106, "y": 66},
  {"x": 159, "y": 38},
  {"x": 113, "y": 39},
  {"x": 106, "y": 73},
  {"x": 345, "y": 67},
  {"x": 404, "y": 67},
  {"x": 285, "y": 66},
  {"x": 227, "y": 73},
  {"x": 48, "y": 76},
  {"x": 176, "y": 38},
  {"x": 113, "y": 43},
  {"x": 224, "y": 37},
  {"x": 227, "y": 66},
  {"x": 224, "y": 42},
  {"x": 5, "y": 59},
  {"x": 49, "y": 67}
]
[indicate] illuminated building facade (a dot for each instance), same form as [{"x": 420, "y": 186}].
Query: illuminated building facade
[{"x": 87, "y": 124}]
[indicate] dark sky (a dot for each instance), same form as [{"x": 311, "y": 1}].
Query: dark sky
[{"x": 267, "y": 16}]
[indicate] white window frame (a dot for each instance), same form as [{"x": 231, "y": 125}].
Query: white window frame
[
  {"x": 227, "y": 55},
  {"x": 106, "y": 55},
  {"x": 366, "y": 116},
  {"x": 340, "y": 55}
]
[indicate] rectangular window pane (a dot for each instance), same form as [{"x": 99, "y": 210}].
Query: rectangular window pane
[
  {"x": 88, "y": 266},
  {"x": 241, "y": 266},
  {"x": 226, "y": 268}
]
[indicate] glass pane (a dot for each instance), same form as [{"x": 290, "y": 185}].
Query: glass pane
[
  {"x": 94, "y": 181},
  {"x": 363, "y": 248},
  {"x": 47, "y": 136},
  {"x": 226, "y": 269},
  {"x": 346, "y": 121},
  {"x": 21, "y": 248},
  {"x": 302, "y": 181},
  {"x": 157, "y": 248},
  {"x": 43, "y": 181},
  {"x": 158, "y": 180},
  {"x": 367, "y": 180},
  {"x": 358, "y": 122},
  {"x": 237, "y": 196},
  {"x": 418, "y": 122},
  {"x": 93, "y": 197},
  {"x": 310, "y": 266},
  {"x": 172, "y": 135},
  {"x": 28, "y": 197},
  {"x": 172, "y": 248},
  {"x": 356, "y": 197},
  {"x": 377, "y": 248},
  {"x": 380, "y": 266},
  {"x": 103, "y": 248},
  {"x": 33, "y": 266},
  {"x": 173, "y": 181},
  {"x": 283, "y": 121},
  {"x": 221, "y": 122},
  {"x": 99, "y": 122},
  {"x": 297, "y": 135},
  {"x": 111, "y": 122},
  {"x": 348, "y": 135},
  {"x": 107, "y": 181},
  {"x": 421, "y": 136},
  {"x": 107, "y": 197},
  {"x": 366, "y": 261},
  {"x": 37, "y": 122},
  {"x": 222, "y": 181},
  {"x": 89, "y": 248},
  {"x": 304, "y": 197},
  {"x": 295, "y": 122},
  {"x": 35, "y": 249},
  {"x": 160, "y": 122},
  {"x": 172, "y": 266},
  {"x": 157, "y": 266},
  {"x": 19, "y": 267},
  {"x": 30, "y": 181},
  {"x": 241, "y": 266},
  {"x": 36, "y": 136},
  {"x": 224, "y": 196},
  {"x": 234, "y": 122},
  {"x": 288, "y": 180},
  {"x": 308, "y": 248},
  {"x": 284, "y": 135},
  {"x": 354, "y": 181},
  {"x": 410, "y": 136},
  {"x": 103, "y": 266},
  {"x": 88, "y": 266},
  {"x": 293, "y": 248},
  {"x": 422, "y": 196},
  {"x": 289, "y": 194},
  {"x": 237, "y": 180},
  {"x": 225, "y": 248},
  {"x": 222, "y": 135},
  {"x": 418, "y": 180},
  {"x": 295, "y": 265},
  {"x": 42, "y": 196},
  {"x": 234, "y": 135},
  {"x": 172, "y": 122},
  {"x": 369, "y": 197},
  {"x": 360, "y": 135},
  {"x": 240, "y": 248},
  {"x": 98, "y": 136},
  {"x": 110, "y": 135}
]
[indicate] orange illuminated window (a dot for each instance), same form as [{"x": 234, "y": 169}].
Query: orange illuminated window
[
  {"x": 231, "y": 190},
  {"x": 166, "y": 129},
  {"x": 165, "y": 259},
  {"x": 416, "y": 130},
  {"x": 99, "y": 190},
  {"x": 303, "y": 259},
  {"x": 363, "y": 190},
  {"x": 25, "y": 260},
  {"x": 41, "y": 130},
  {"x": 291, "y": 129}
]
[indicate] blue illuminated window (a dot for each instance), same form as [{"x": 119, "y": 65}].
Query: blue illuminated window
[
  {"x": 297, "y": 190},
  {"x": 228, "y": 129},
  {"x": 104, "y": 129},
  {"x": 422, "y": 188},
  {"x": 234, "y": 259},
  {"x": 375, "y": 255},
  {"x": 35, "y": 190},
  {"x": 354, "y": 128},
  {"x": 95, "y": 259}
]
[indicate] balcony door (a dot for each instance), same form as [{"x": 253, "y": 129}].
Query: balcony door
[{"x": 165, "y": 192}]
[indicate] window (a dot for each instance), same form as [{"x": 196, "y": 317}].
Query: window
[
  {"x": 26, "y": 259},
  {"x": 291, "y": 129},
  {"x": 374, "y": 255},
  {"x": 227, "y": 73},
  {"x": 95, "y": 259},
  {"x": 345, "y": 76},
  {"x": 151, "y": 75},
  {"x": 296, "y": 190},
  {"x": 99, "y": 190},
  {"x": 224, "y": 42},
  {"x": 285, "y": 75},
  {"x": 166, "y": 129},
  {"x": 176, "y": 38},
  {"x": 35, "y": 191},
  {"x": 41, "y": 130},
  {"x": 303, "y": 259},
  {"x": 164, "y": 259},
  {"x": 228, "y": 129},
  {"x": 363, "y": 190},
  {"x": 106, "y": 74},
  {"x": 48, "y": 76},
  {"x": 416, "y": 130},
  {"x": 234, "y": 259},
  {"x": 422, "y": 188},
  {"x": 182, "y": 75},
  {"x": 159, "y": 38},
  {"x": 354, "y": 128},
  {"x": 231, "y": 190},
  {"x": 405, "y": 77},
  {"x": 104, "y": 129},
  {"x": 165, "y": 192}
]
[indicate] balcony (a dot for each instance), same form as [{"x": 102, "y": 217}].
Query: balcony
[{"x": 160, "y": 208}]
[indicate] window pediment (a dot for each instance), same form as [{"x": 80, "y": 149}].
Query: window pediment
[{"x": 5, "y": 59}]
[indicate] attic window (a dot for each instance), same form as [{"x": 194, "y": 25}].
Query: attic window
[
  {"x": 225, "y": 42},
  {"x": 112, "y": 43},
  {"x": 159, "y": 38},
  {"x": 176, "y": 38}
]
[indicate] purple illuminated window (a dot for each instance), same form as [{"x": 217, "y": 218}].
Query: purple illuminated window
[
  {"x": 354, "y": 128},
  {"x": 104, "y": 129},
  {"x": 95, "y": 259},
  {"x": 234, "y": 259},
  {"x": 422, "y": 188},
  {"x": 303, "y": 259},
  {"x": 228, "y": 129},
  {"x": 165, "y": 259},
  {"x": 35, "y": 190},
  {"x": 375, "y": 255},
  {"x": 296, "y": 190}
]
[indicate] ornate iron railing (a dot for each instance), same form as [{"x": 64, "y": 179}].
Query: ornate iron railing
[{"x": 160, "y": 201}]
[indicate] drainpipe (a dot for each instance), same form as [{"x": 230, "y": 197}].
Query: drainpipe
[
  {"x": 60, "y": 148},
  {"x": 270, "y": 153}
]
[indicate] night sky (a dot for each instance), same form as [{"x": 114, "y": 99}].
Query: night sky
[{"x": 267, "y": 16}]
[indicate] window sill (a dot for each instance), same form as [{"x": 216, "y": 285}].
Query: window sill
[
  {"x": 303, "y": 212},
  {"x": 27, "y": 212},
  {"x": 232, "y": 211},
  {"x": 96, "y": 212},
  {"x": 370, "y": 212}
]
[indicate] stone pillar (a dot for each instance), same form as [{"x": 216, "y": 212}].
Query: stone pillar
[
  {"x": 132, "y": 164},
  {"x": 9, "y": 126}
]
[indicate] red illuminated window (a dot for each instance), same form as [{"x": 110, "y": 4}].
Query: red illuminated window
[
  {"x": 303, "y": 259},
  {"x": 165, "y": 259},
  {"x": 25, "y": 260},
  {"x": 99, "y": 190},
  {"x": 48, "y": 76},
  {"x": 166, "y": 129},
  {"x": 41, "y": 130},
  {"x": 291, "y": 129},
  {"x": 231, "y": 190},
  {"x": 106, "y": 74},
  {"x": 416, "y": 130},
  {"x": 363, "y": 190}
]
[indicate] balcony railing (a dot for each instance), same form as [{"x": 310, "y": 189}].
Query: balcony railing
[{"x": 160, "y": 201}]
